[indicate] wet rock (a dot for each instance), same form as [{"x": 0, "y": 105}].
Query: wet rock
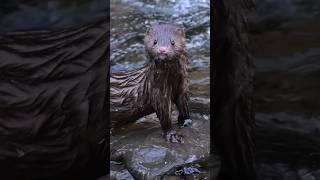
[
  {"x": 187, "y": 171},
  {"x": 147, "y": 155},
  {"x": 123, "y": 175},
  {"x": 118, "y": 171},
  {"x": 153, "y": 155}
]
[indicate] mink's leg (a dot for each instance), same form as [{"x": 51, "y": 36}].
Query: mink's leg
[
  {"x": 182, "y": 106},
  {"x": 163, "y": 111}
]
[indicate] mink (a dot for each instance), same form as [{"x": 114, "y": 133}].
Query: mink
[{"x": 157, "y": 86}]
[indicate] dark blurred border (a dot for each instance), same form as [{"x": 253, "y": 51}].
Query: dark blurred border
[{"x": 18, "y": 16}]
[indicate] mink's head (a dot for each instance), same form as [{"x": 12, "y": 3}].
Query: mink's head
[{"x": 164, "y": 43}]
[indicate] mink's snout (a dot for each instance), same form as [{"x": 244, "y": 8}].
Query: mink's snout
[{"x": 163, "y": 50}]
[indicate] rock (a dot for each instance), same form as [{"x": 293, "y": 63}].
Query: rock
[
  {"x": 146, "y": 154},
  {"x": 119, "y": 172},
  {"x": 122, "y": 175}
]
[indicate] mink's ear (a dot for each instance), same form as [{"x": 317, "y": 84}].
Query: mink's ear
[
  {"x": 180, "y": 31},
  {"x": 149, "y": 30}
]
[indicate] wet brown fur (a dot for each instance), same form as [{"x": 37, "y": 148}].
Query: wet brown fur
[
  {"x": 153, "y": 88},
  {"x": 233, "y": 124}
]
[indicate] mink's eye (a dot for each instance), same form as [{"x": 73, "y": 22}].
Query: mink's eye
[
  {"x": 172, "y": 43},
  {"x": 155, "y": 42}
]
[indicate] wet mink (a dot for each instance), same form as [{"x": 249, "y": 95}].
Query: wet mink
[{"x": 157, "y": 86}]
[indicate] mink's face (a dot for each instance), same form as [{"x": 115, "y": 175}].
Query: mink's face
[{"x": 164, "y": 42}]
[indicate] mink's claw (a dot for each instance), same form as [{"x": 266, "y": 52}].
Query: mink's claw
[
  {"x": 173, "y": 137},
  {"x": 187, "y": 123}
]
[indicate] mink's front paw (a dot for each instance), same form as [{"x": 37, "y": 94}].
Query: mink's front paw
[
  {"x": 173, "y": 137},
  {"x": 187, "y": 123}
]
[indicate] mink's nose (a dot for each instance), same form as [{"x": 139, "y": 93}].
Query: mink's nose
[{"x": 162, "y": 50}]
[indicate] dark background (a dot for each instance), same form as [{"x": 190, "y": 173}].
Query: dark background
[
  {"x": 285, "y": 39},
  {"x": 50, "y": 14},
  {"x": 53, "y": 89}
]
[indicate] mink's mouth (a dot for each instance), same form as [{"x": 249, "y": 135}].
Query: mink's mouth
[
  {"x": 162, "y": 59},
  {"x": 162, "y": 56}
]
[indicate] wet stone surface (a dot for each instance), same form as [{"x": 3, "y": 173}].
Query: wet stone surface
[
  {"x": 145, "y": 154},
  {"x": 118, "y": 171}
]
